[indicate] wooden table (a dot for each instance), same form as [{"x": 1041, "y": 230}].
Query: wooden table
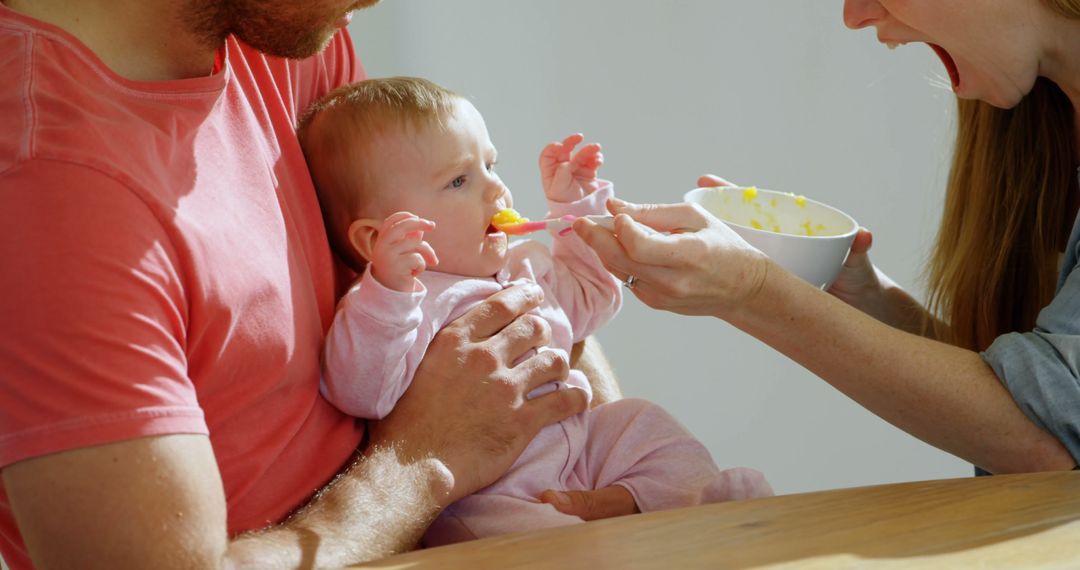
[{"x": 1015, "y": 521}]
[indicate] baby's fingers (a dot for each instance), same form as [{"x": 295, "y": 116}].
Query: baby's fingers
[
  {"x": 588, "y": 158},
  {"x": 395, "y": 218},
  {"x": 411, "y": 242},
  {"x": 425, "y": 251},
  {"x": 568, "y": 145},
  {"x": 560, "y": 151},
  {"x": 396, "y": 228},
  {"x": 414, "y": 263}
]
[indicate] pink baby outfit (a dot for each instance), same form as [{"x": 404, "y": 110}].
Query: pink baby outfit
[{"x": 379, "y": 336}]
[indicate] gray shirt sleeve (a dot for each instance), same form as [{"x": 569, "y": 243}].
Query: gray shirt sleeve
[{"x": 1041, "y": 368}]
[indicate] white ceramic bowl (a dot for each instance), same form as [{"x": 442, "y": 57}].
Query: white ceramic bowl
[{"x": 808, "y": 238}]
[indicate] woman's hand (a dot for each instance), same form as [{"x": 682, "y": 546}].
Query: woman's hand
[
  {"x": 701, "y": 268},
  {"x": 858, "y": 283},
  {"x": 467, "y": 408},
  {"x": 862, "y": 286},
  {"x": 712, "y": 181}
]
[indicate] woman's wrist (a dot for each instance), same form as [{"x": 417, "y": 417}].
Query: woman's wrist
[{"x": 762, "y": 284}]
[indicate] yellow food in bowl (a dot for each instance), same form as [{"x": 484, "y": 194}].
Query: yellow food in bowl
[
  {"x": 771, "y": 212},
  {"x": 805, "y": 237}
]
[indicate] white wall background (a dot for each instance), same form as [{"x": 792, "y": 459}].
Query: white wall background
[{"x": 769, "y": 92}]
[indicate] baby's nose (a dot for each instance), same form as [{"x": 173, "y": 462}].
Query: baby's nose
[{"x": 497, "y": 191}]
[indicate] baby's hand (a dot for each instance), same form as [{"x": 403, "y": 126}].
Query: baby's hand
[
  {"x": 400, "y": 252},
  {"x": 569, "y": 178}
]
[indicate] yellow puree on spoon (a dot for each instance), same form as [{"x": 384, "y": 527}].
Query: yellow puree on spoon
[{"x": 507, "y": 217}]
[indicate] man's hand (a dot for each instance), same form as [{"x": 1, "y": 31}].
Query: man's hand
[
  {"x": 467, "y": 406},
  {"x": 568, "y": 176},
  {"x": 400, "y": 252}
]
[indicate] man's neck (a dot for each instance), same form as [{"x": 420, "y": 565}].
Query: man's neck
[{"x": 148, "y": 40}]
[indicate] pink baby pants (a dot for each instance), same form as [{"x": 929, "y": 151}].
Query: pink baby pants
[{"x": 632, "y": 443}]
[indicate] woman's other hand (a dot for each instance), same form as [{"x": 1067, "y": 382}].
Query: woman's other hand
[
  {"x": 712, "y": 181},
  {"x": 701, "y": 267},
  {"x": 864, "y": 287},
  {"x": 858, "y": 283}
]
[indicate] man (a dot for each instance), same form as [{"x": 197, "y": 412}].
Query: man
[{"x": 166, "y": 287}]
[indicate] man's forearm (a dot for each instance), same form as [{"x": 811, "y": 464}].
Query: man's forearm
[
  {"x": 165, "y": 508},
  {"x": 379, "y": 507},
  {"x": 587, "y": 357}
]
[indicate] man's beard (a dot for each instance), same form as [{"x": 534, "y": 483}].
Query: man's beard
[{"x": 281, "y": 28}]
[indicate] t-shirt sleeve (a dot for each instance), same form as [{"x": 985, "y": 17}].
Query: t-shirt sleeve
[
  {"x": 1041, "y": 368},
  {"x": 92, "y": 346}
]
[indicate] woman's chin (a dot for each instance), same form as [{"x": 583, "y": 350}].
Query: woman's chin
[
  {"x": 1002, "y": 104},
  {"x": 1004, "y": 99}
]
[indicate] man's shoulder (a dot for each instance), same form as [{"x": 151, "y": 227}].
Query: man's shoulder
[
  {"x": 60, "y": 102},
  {"x": 15, "y": 111}
]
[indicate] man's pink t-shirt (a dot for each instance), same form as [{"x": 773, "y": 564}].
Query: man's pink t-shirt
[{"x": 165, "y": 268}]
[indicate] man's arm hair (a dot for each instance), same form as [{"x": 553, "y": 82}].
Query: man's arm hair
[{"x": 158, "y": 502}]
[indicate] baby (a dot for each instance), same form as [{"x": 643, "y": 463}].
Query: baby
[{"x": 405, "y": 173}]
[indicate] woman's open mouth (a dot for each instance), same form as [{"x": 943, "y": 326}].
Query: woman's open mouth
[{"x": 950, "y": 65}]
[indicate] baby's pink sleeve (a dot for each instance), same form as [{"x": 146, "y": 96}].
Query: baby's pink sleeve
[
  {"x": 588, "y": 294},
  {"x": 367, "y": 362}
]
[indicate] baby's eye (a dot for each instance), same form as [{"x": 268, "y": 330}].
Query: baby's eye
[{"x": 457, "y": 182}]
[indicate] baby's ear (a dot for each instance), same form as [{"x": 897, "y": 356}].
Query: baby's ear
[{"x": 362, "y": 235}]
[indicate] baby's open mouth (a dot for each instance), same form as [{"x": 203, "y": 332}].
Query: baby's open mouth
[{"x": 491, "y": 229}]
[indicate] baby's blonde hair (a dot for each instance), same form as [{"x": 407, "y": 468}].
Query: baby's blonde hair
[{"x": 340, "y": 134}]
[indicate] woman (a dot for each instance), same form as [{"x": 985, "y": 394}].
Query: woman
[{"x": 982, "y": 373}]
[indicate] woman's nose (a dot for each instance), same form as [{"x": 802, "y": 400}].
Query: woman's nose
[{"x": 859, "y": 14}]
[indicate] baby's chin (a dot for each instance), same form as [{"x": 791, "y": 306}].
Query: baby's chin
[{"x": 485, "y": 269}]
